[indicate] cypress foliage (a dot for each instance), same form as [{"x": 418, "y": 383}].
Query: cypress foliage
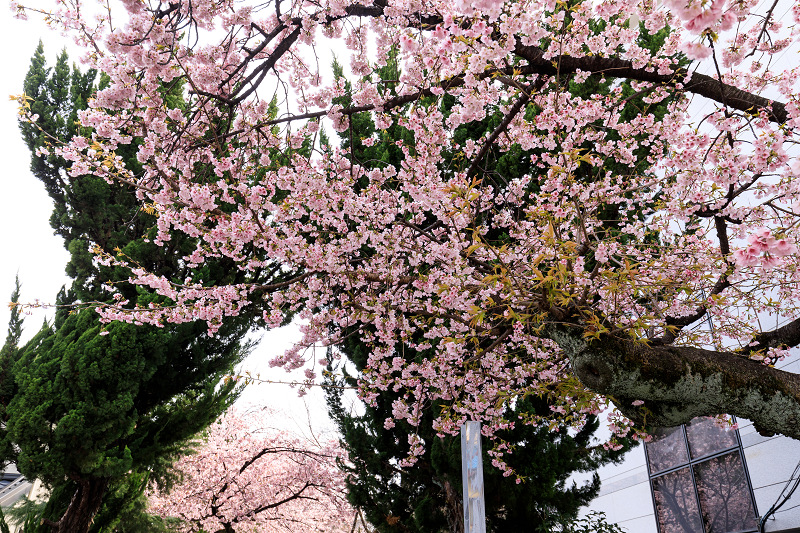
[
  {"x": 9, "y": 355},
  {"x": 99, "y": 411},
  {"x": 427, "y": 497}
]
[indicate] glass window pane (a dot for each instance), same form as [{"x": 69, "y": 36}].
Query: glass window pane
[
  {"x": 676, "y": 503},
  {"x": 707, "y": 437},
  {"x": 667, "y": 449},
  {"x": 724, "y": 498}
]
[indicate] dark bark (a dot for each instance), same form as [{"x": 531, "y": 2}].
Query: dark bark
[
  {"x": 82, "y": 508},
  {"x": 787, "y": 335},
  {"x": 612, "y": 67},
  {"x": 563, "y": 65},
  {"x": 678, "y": 383},
  {"x": 455, "y": 508}
]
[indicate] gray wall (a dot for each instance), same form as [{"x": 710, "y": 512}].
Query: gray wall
[{"x": 625, "y": 494}]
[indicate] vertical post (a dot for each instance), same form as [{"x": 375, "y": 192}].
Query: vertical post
[{"x": 472, "y": 478}]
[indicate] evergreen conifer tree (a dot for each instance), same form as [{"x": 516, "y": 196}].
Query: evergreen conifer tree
[
  {"x": 99, "y": 411},
  {"x": 9, "y": 354},
  {"x": 427, "y": 497}
]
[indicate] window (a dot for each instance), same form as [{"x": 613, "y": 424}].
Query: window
[{"x": 699, "y": 480}]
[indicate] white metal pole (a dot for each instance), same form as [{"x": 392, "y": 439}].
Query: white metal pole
[{"x": 472, "y": 478}]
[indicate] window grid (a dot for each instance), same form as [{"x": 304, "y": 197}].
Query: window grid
[{"x": 690, "y": 464}]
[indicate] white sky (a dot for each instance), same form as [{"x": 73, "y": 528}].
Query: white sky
[
  {"x": 28, "y": 246},
  {"x": 27, "y": 243}
]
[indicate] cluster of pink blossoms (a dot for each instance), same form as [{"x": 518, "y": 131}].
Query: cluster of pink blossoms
[
  {"x": 624, "y": 204},
  {"x": 248, "y": 477},
  {"x": 764, "y": 249},
  {"x": 699, "y": 16}
]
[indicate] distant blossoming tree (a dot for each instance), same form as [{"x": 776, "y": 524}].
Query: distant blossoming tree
[
  {"x": 246, "y": 477},
  {"x": 583, "y": 279}
]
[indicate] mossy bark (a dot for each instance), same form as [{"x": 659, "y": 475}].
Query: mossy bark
[{"x": 678, "y": 383}]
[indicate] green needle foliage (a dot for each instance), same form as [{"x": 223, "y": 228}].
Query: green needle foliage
[
  {"x": 9, "y": 355},
  {"x": 427, "y": 497},
  {"x": 99, "y": 411}
]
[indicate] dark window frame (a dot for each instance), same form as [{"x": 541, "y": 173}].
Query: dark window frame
[{"x": 690, "y": 464}]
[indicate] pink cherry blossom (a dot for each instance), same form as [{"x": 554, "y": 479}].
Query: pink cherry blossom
[
  {"x": 634, "y": 214},
  {"x": 782, "y": 248},
  {"x": 247, "y": 476},
  {"x": 696, "y": 50}
]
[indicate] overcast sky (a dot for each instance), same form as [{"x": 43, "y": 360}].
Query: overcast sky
[
  {"x": 29, "y": 248},
  {"x": 27, "y": 243}
]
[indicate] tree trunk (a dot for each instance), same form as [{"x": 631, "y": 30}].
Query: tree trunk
[
  {"x": 678, "y": 383},
  {"x": 455, "y": 508},
  {"x": 82, "y": 508}
]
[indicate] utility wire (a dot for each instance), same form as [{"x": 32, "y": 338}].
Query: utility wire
[{"x": 783, "y": 497}]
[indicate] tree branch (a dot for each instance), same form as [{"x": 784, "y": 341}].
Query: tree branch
[
  {"x": 678, "y": 383},
  {"x": 695, "y": 83},
  {"x": 787, "y": 335},
  {"x": 512, "y": 113}
]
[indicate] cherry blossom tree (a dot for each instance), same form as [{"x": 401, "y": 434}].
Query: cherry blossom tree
[
  {"x": 587, "y": 279},
  {"x": 245, "y": 476}
]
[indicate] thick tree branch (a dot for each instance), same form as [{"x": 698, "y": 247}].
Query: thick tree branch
[
  {"x": 284, "y": 449},
  {"x": 612, "y": 67},
  {"x": 695, "y": 83},
  {"x": 678, "y": 383},
  {"x": 787, "y": 335},
  {"x": 675, "y": 324},
  {"x": 512, "y": 113},
  {"x": 295, "y": 496}
]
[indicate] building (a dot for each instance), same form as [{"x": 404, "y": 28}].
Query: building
[
  {"x": 700, "y": 478},
  {"x": 13, "y": 487}
]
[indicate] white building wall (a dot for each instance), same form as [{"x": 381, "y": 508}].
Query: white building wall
[{"x": 625, "y": 494}]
